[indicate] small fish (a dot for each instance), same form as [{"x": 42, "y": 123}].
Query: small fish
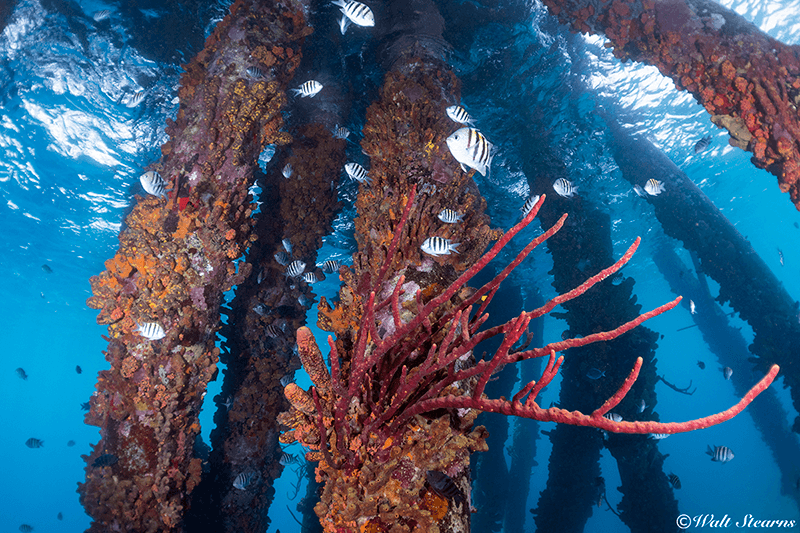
[
  {"x": 659, "y": 436},
  {"x": 288, "y": 459},
  {"x": 107, "y": 459},
  {"x": 287, "y": 171},
  {"x": 287, "y": 245},
  {"x": 340, "y": 132},
  {"x": 135, "y": 99},
  {"x": 60, "y": 516},
  {"x": 594, "y": 373},
  {"x": 727, "y": 372},
  {"x": 255, "y": 72},
  {"x": 305, "y": 301},
  {"x": 438, "y": 246},
  {"x": 600, "y": 485},
  {"x": 309, "y": 88},
  {"x": 78, "y": 369},
  {"x": 285, "y": 380},
  {"x": 529, "y": 203},
  {"x": 780, "y": 256},
  {"x": 150, "y": 331},
  {"x": 242, "y": 481},
  {"x": 614, "y": 417},
  {"x": 356, "y": 13},
  {"x": 295, "y": 269},
  {"x": 565, "y": 188},
  {"x": 85, "y": 406},
  {"x": 34, "y": 443},
  {"x": 282, "y": 258},
  {"x": 471, "y": 149},
  {"x": 70, "y": 443},
  {"x": 702, "y": 144},
  {"x": 273, "y": 331},
  {"x": 21, "y": 373},
  {"x": 639, "y": 191},
  {"x": 47, "y": 269},
  {"x": 459, "y": 114},
  {"x": 674, "y": 480},
  {"x": 692, "y": 307},
  {"x": 642, "y": 405},
  {"x": 153, "y": 183},
  {"x": 444, "y": 486},
  {"x": 259, "y": 309},
  {"x": 653, "y": 187},
  {"x": 101, "y": 15},
  {"x": 260, "y": 277},
  {"x": 357, "y": 172},
  {"x": 311, "y": 277},
  {"x": 330, "y": 266},
  {"x": 701, "y": 364},
  {"x": 448, "y": 216},
  {"x": 721, "y": 454},
  {"x": 25, "y": 528}
]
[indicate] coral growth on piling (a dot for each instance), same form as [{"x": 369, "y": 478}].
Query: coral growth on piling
[
  {"x": 747, "y": 81},
  {"x": 368, "y": 409},
  {"x": 176, "y": 259}
]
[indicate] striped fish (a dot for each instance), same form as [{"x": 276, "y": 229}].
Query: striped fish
[
  {"x": 295, "y": 269},
  {"x": 135, "y": 99},
  {"x": 658, "y": 436},
  {"x": 312, "y": 277},
  {"x": 242, "y": 481},
  {"x": 34, "y": 443},
  {"x": 721, "y": 454},
  {"x": 448, "y": 216},
  {"x": 702, "y": 144},
  {"x": 330, "y": 266},
  {"x": 438, "y": 246},
  {"x": 340, "y": 132},
  {"x": 471, "y": 149},
  {"x": 674, "y": 480},
  {"x": 309, "y": 88},
  {"x": 288, "y": 459},
  {"x": 25, "y": 528},
  {"x": 282, "y": 258},
  {"x": 150, "y": 331},
  {"x": 153, "y": 183},
  {"x": 357, "y": 172},
  {"x": 614, "y": 417},
  {"x": 444, "y": 486},
  {"x": 273, "y": 331},
  {"x": 653, "y": 187},
  {"x": 458, "y": 114},
  {"x": 565, "y": 188},
  {"x": 255, "y": 72},
  {"x": 107, "y": 459},
  {"x": 529, "y": 203},
  {"x": 354, "y": 12},
  {"x": 285, "y": 380}
]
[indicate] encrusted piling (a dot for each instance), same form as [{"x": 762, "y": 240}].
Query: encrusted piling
[
  {"x": 176, "y": 259},
  {"x": 748, "y": 81}
]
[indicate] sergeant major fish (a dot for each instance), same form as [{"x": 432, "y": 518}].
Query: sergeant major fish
[
  {"x": 444, "y": 486},
  {"x": 438, "y": 246},
  {"x": 674, "y": 480},
  {"x": 354, "y": 12},
  {"x": 34, "y": 443},
  {"x": 340, "y": 132},
  {"x": 309, "y": 88},
  {"x": 21, "y": 373},
  {"x": 330, "y": 266},
  {"x": 150, "y": 331},
  {"x": 471, "y": 149},
  {"x": 565, "y": 188},
  {"x": 529, "y": 203},
  {"x": 458, "y": 114},
  {"x": 702, "y": 144},
  {"x": 242, "y": 481},
  {"x": 357, "y": 172},
  {"x": 295, "y": 269},
  {"x": 153, "y": 183},
  {"x": 721, "y": 454},
  {"x": 448, "y": 216},
  {"x": 653, "y": 187}
]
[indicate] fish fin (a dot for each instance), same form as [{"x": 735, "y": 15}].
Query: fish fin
[
  {"x": 465, "y": 168},
  {"x": 453, "y": 246},
  {"x": 344, "y": 24},
  {"x": 340, "y": 3}
]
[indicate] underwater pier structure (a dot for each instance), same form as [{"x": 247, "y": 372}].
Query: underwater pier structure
[
  {"x": 176, "y": 258},
  {"x": 748, "y": 81}
]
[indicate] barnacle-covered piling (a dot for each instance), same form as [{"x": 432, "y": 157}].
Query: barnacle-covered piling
[
  {"x": 748, "y": 81},
  {"x": 176, "y": 258}
]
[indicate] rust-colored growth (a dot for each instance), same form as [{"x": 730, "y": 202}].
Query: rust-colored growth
[
  {"x": 174, "y": 262},
  {"x": 747, "y": 81},
  {"x": 308, "y": 198},
  {"x": 311, "y": 357}
]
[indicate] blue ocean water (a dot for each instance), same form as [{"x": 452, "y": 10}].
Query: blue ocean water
[{"x": 73, "y": 149}]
